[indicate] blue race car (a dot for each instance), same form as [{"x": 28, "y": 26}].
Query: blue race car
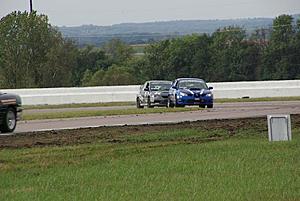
[{"x": 190, "y": 91}]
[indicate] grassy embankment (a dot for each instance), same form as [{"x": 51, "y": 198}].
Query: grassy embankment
[
  {"x": 92, "y": 113},
  {"x": 213, "y": 160},
  {"x": 79, "y": 105},
  {"x": 233, "y": 100}
]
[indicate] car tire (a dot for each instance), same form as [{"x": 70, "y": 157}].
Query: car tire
[
  {"x": 202, "y": 106},
  {"x": 149, "y": 103},
  {"x": 170, "y": 103},
  {"x": 210, "y": 106},
  {"x": 138, "y": 103},
  {"x": 9, "y": 122}
]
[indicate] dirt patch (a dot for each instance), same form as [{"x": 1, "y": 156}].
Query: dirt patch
[{"x": 114, "y": 134}]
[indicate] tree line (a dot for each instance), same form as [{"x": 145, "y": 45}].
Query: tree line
[{"x": 34, "y": 54}]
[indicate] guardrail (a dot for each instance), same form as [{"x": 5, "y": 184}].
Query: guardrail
[
  {"x": 54, "y": 96},
  {"x": 258, "y": 89}
]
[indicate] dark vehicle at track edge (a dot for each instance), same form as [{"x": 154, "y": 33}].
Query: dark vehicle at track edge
[
  {"x": 190, "y": 91},
  {"x": 10, "y": 111},
  {"x": 153, "y": 93}
]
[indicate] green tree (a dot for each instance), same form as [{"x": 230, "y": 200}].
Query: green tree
[
  {"x": 97, "y": 78},
  {"x": 137, "y": 66},
  {"x": 89, "y": 58},
  {"x": 156, "y": 60},
  {"x": 60, "y": 61},
  {"x": 283, "y": 30},
  {"x": 29, "y": 46},
  {"x": 261, "y": 36},
  {"x": 181, "y": 54},
  {"x": 186, "y": 56},
  {"x": 295, "y": 60},
  {"x": 114, "y": 75},
  {"x": 280, "y": 56},
  {"x": 200, "y": 59},
  {"x": 117, "y": 75},
  {"x": 226, "y": 53},
  {"x": 87, "y": 76},
  {"x": 118, "y": 51}
]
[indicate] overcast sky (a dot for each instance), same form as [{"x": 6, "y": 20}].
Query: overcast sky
[{"x": 101, "y": 12}]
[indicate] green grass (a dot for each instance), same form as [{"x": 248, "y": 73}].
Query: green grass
[
  {"x": 186, "y": 164},
  {"x": 75, "y": 114},
  {"x": 78, "y": 105}
]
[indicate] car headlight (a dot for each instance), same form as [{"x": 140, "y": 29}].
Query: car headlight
[
  {"x": 152, "y": 97},
  {"x": 209, "y": 95}
]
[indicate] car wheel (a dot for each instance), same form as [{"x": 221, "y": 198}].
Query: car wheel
[
  {"x": 149, "y": 103},
  {"x": 138, "y": 103},
  {"x": 9, "y": 121},
  {"x": 210, "y": 106},
  {"x": 170, "y": 104},
  {"x": 202, "y": 106}
]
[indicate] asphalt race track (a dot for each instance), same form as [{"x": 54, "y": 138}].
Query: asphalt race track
[{"x": 220, "y": 111}]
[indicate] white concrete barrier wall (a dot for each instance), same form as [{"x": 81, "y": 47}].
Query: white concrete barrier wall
[
  {"x": 54, "y": 96},
  {"x": 259, "y": 89}
]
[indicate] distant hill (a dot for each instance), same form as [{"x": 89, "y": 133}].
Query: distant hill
[{"x": 138, "y": 33}]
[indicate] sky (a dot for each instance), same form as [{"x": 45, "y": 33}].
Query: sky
[{"x": 103, "y": 12}]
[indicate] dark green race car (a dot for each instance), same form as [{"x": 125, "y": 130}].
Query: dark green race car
[{"x": 10, "y": 112}]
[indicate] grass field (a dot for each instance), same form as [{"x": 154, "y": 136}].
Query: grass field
[
  {"x": 78, "y": 105},
  {"x": 233, "y": 100},
  {"x": 211, "y": 160}
]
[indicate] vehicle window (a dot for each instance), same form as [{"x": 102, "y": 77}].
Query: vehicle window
[
  {"x": 160, "y": 86},
  {"x": 192, "y": 84}
]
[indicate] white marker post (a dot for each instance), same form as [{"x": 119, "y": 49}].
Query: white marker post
[{"x": 279, "y": 127}]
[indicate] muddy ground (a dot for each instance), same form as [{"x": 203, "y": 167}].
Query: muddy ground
[{"x": 112, "y": 134}]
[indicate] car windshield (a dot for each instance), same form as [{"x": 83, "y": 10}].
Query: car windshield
[
  {"x": 192, "y": 84},
  {"x": 160, "y": 86}
]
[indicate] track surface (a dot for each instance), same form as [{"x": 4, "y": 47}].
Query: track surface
[{"x": 221, "y": 111}]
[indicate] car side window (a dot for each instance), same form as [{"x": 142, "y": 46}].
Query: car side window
[
  {"x": 172, "y": 84},
  {"x": 147, "y": 86},
  {"x": 175, "y": 84}
]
